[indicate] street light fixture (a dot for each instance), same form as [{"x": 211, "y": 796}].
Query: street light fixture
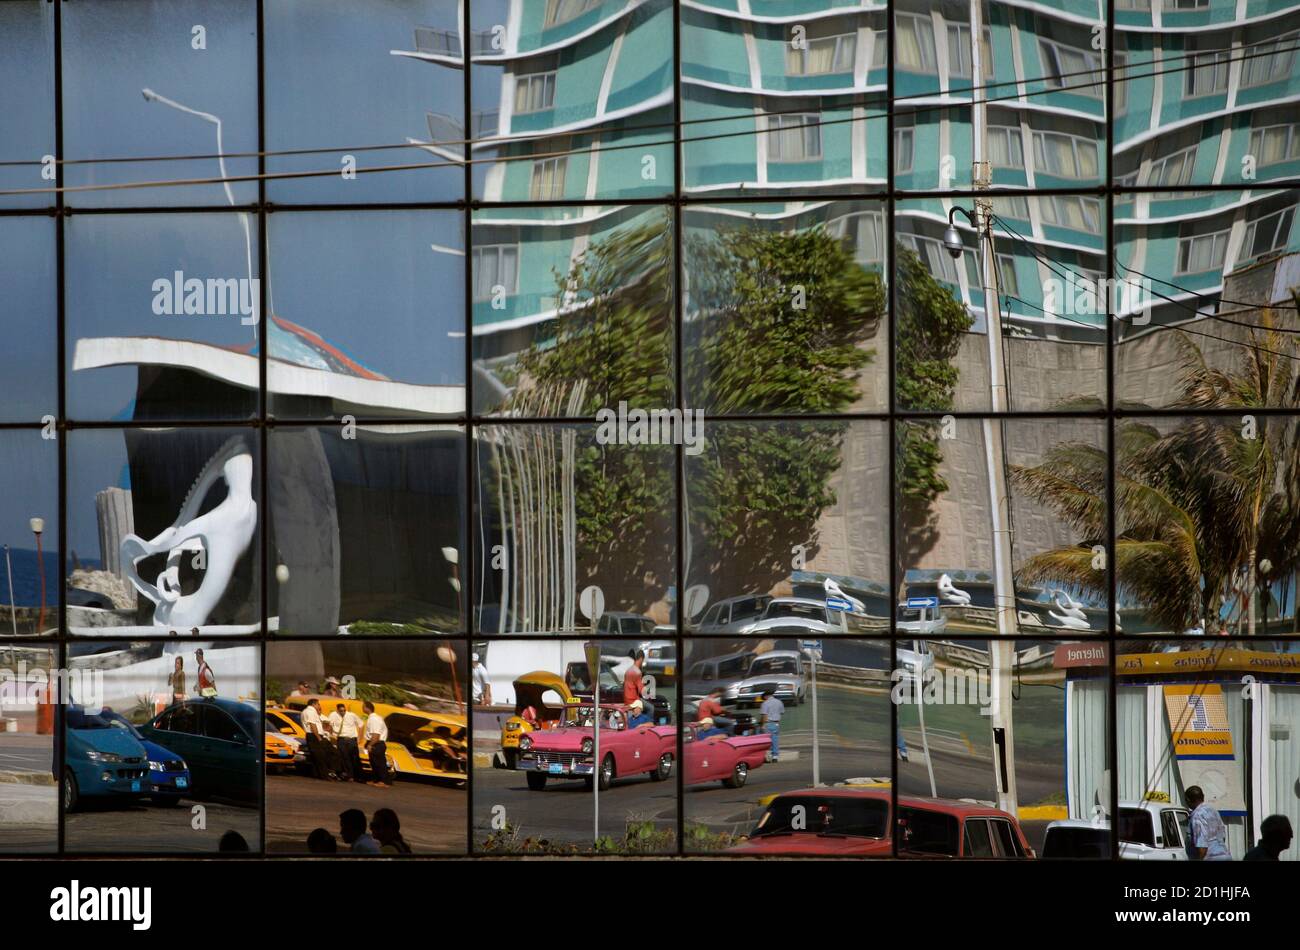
[
  {"x": 1265, "y": 567},
  {"x": 952, "y": 237},
  {"x": 38, "y": 529}
]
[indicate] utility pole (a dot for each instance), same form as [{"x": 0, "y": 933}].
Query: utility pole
[{"x": 1001, "y": 652}]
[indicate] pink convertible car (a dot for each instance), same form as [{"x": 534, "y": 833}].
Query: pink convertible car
[
  {"x": 722, "y": 758},
  {"x": 568, "y": 752}
]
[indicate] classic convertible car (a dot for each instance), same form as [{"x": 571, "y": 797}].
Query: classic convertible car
[
  {"x": 425, "y": 744},
  {"x": 531, "y": 690},
  {"x": 856, "y": 820},
  {"x": 722, "y": 758},
  {"x": 568, "y": 752}
]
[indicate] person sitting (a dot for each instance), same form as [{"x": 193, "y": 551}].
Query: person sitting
[
  {"x": 706, "y": 728},
  {"x": 638, "y": 716},
  {"x": 529, "y": 715}
]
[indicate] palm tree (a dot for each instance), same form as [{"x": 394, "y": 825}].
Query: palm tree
[{"x": 1196, "y": 504}]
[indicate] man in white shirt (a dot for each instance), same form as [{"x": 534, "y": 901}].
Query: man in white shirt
[
  {"x": 319, "y": 750},
  {"x": 482, "y": 685},
  {"x": 346, "y": 726},
  {"x": 1209, "y": 834},
  {"x": 376, "y": 734}
]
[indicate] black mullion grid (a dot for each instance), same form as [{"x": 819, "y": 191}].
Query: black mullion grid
[
  {"x": 263, "y": 399},
  {"x": 61, "y": 375},
  {"x": 1108, "y": 241},
  {"x": 679, "y": 329},
  {"x": 469, "y": 571},
  {"x": 891, "y": 347}
]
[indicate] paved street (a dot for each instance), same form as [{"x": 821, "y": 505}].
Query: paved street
[{"x": 432, "y": 814}]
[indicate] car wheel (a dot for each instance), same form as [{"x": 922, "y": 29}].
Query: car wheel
[
  {"x": 166, "y": 801},
  {"x": 536, "y": 781},
  {"x": 606, "y": 772},
  {"x": 71, "y": 795},
  {"x": 511, "y": 756},
  {"x": 664, "y": 768},
  {"x": 738, "y": 776}
]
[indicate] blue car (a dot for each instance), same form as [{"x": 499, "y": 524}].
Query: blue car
[
  {"x": 105, "y": 757},
  {"x": 169, "y": 776}
]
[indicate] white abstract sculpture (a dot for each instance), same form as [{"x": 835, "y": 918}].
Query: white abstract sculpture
[
  {"x": 1070, "y": 614},
  {"x": 834, "y": 590},
  {"x": 951, "y": 593},
  {"x": 221, "y": 536}
]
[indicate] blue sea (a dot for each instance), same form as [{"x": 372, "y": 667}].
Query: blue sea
[{"x": 27, "y": 577}]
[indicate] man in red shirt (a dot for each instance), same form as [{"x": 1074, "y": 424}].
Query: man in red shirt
[
  {"x": 632, "y": 680},
  {"x": 711, "y": 708}
]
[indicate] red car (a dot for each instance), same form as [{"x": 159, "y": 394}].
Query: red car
[
  {"x": 846, "y": 820},
  {"x": 722, "y": 758},
  {"x": 568, "y": 752}
]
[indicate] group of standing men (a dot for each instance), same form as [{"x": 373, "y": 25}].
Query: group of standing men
[{"x": 335, "y": 740}]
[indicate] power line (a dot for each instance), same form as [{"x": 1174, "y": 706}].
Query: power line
[
  {"x": 534, "y": 156},
  {"x": 1179, "y": 327},
  {"x": 619, "y": 128}
]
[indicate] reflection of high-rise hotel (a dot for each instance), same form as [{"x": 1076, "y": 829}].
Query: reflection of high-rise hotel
[{"x": 785, "y": 98}]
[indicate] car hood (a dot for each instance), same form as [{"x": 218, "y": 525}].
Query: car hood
[
  {"x": 791, "y": 623},
  {"x": 784, "y": 679},
  {"x": 117, "y": 741},
  {"x": 560, "y": 740},
  {"x": 158, "y": 753},
  {"x": 813, "y": 844}
]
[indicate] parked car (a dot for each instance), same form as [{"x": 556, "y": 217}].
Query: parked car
[
  {"x": 420, "y": 744},
  {"x": 101, "y": 760},
  {"x": 716, "y": 672},
  {"x": 778, "y": 670},
  {"x": 286, "y": 740},
  {"x": 578, "y": 679},
  {"x": 568, "y": 752},
  {"x": 169, "y": 776},
  {"x": 722, "y": 758},
  {"x": 799, "y": 617},
  {"x": 618, "y": 623},
  {"x": 856, "y": 820},
  {"x": 220, "y": 739},
  {"x": 733, "y": 615},
  {"x": 1148, "y": 831},
  {"x": 660, "y": 659},
  {"x": 920, "y": 621},
  {"x": 1153, "y": 831}
]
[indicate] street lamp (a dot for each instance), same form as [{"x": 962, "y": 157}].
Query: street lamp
[
  {"x": 151, "y": 96},
  {"x": 452, "y": 557},
  {"x": 1265, "y": 567},
  {"x": 952, "y": 237},
  {"x": 38, "y": 529}
]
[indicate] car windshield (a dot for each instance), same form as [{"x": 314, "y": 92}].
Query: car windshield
[
  {"x": 824, "y": 815},
  {"x": 776, "y": 664},
  {"x": 752, "y": 607},
  {"x": 909, "y": 614},
  {"x": 787, "y": 609},
  {"x": 635, "y": 625},
  {"x": 78, "y": 718}
]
